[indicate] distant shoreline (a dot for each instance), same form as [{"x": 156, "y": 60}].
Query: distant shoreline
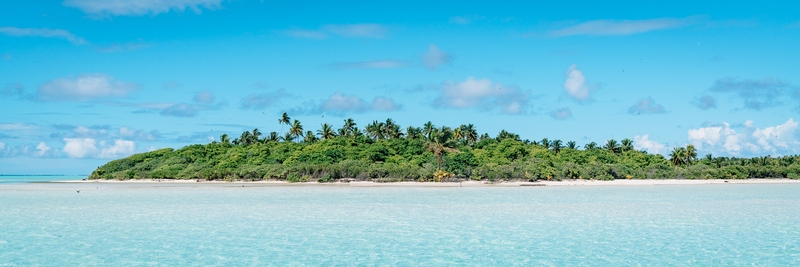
[{"x": 451, "y": 184}]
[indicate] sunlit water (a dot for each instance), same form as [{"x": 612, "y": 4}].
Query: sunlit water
[{"x": 230, "y": 225}]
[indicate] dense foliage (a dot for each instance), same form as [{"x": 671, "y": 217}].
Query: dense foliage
[{"x": 384, "y": 152}]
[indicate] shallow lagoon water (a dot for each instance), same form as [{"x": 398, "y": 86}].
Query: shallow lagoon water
[{"x": 230, "y": 225}]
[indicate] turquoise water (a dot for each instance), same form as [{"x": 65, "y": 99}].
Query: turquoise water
[
  {"x": 5, "y": 179},
  {"x": 228, "y": 225}
]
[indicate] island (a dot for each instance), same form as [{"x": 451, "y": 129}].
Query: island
[{"x": 385, "y": 152}]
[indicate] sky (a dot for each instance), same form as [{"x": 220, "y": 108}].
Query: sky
[{"x": 83, "y": 82}]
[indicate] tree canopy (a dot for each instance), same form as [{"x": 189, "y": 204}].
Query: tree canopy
[{"x": 383, "y": 151}]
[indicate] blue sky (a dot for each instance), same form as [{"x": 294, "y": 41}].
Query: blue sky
[{"x": 86, "y": 81}]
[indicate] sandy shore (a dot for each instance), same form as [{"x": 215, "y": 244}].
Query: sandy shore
[{"x": 456, "y": 184}]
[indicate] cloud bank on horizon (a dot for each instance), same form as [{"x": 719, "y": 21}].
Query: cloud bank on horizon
[{"x": 85, "y": 81}]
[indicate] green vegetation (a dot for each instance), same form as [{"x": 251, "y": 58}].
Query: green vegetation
[{"x": 383, "y": 152}]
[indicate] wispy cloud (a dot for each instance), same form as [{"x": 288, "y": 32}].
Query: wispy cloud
[
  {"x": 482, "y": 94},
  {"x": 204, "y": 97},
  {"x": 140, "y": 8},
  {"x": 12, "y": 90},
  {"x": 561, "y": 114},
  {"x": 435, "y": 57},
  {"x": 464, "y": 20},
  {"x": 375, "y": 64},
  {"x": 705, "y": 102},
  {"x": 341, "y": 104},
  {"x": 170, "y": 109},
  {"x": 757, "y": 94},
  {"x": 19, "y": 127},
  {"x": 262, "y": 101},
  {"x": 623, "y": 27},
  {"x": 646, "y": 106},
  {"x": 171, "y": 85},
  {"x": 366, "y": 30},
  {"x": 84, "y": 87},
  {"x": 114, "y": 48},
  {"x": 42, "y": 32}
]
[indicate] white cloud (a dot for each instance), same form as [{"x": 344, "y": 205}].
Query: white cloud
[
  {"x": 140, "y": 7},
  {"x": 88, "y": 148},
  {"x": 774, "y": 140},
  {"x": 80, "y": 147},
  {"x": 646, "y": 106},
  {"x": 375, "y": 64},
  {"x": 84, "y": 87},
  {"x": 205, "y": 97},
  {"x": 366, "y": 30},
  {"x": 643, "y": 142},
  {"x": 623, "y": 27},
  {"x": 42, "y": 32},
  {"x": 2, "y": 145},
  {"x": 435, "y": 57},
  {"x": 121, "y": 148},
  {"x": 576, "y": 86},
  {"x": 482, "y": 94},
  {"x": 561, "y": 114},
  {"x": 42, "y": 149}
]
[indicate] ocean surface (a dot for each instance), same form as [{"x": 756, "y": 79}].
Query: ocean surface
[{"x": 228, "y": 225}]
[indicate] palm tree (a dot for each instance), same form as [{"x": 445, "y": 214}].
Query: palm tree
[
  {"x": 347, "y": 128},
  {"x": 272, "y": 137},
  {"x": 545, "y": 143},
  {"x": 326, "y": 132},
  {"x": 627, "y": 144},
  {"x": 284, "y": 120},
  {"x": 677, "y": 155},
  {"x": 255, "y": 135},
  {"x": 390, "y": 129},
  {"x": 470, "y": 134},
  {"x": 310, "y": 137},
  {"x": 393, "y": 131},
  {"x": 590, "y": 146},
  {"x": 556, "y": 146},
  {"x": 612, "y": 145},
  {"x": 413, "y": 132},
  {"x": 572, "y": 145},
  {"x": 224, "y": 139},
  {"x": 244, "y": 139},
  {"x": 427, "y": 129},
  {"x": 458, "y": 133},
  {"x": 440, "y": 143},
  {"x": 503, "y": 134},
  {"x": 296, "y": 130},
  {"x": 287, "y": 137},
  {"x": 690, "y": 154}
]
